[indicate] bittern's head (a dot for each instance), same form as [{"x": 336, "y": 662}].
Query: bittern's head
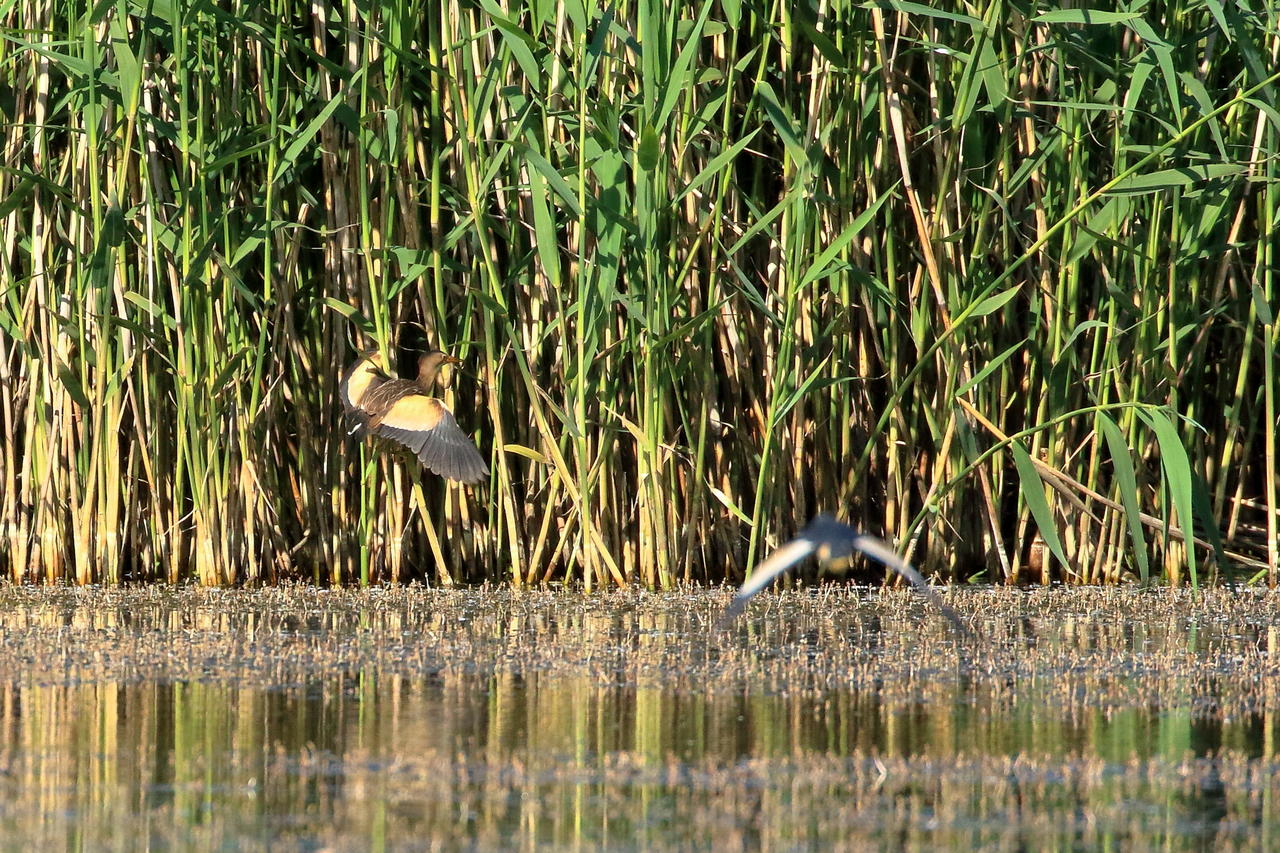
[
  {"x": 434, "y": 358},
  {"x": 429, "y": 366}
]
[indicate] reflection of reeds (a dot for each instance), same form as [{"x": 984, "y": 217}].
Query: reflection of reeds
[
  {"x": 963, "y": 280},
  {"x": 210, "y": 719}
]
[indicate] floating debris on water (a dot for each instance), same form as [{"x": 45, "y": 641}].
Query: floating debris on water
[{"x": 836, "y": 716}]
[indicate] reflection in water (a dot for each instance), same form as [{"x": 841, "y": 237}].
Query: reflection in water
[{"x": 300, "y": 730}]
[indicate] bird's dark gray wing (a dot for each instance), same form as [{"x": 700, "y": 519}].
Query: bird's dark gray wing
[
  {"x": 427, "y": 427},
  {"x": 448, "y": 451}
]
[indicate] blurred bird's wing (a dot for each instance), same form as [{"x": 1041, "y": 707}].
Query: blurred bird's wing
[
  {"x": 781, "y": 560},
  {"x": 834, "y": 539},
  {"x": 878, "y": 549},
  {"x": 427, "y": 427}
]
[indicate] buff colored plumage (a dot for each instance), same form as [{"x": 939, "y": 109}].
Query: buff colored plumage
[{"x": 403, "y": 410}]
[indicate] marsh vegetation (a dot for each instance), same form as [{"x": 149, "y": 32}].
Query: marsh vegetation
[{"x": 999, "y": 288}]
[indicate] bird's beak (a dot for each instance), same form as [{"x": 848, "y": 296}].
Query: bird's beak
[{"x": 451, "y": 359}]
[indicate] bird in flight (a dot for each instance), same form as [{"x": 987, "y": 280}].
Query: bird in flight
[
  {"x": 404, "y": 411},
  {"x": 831, "y": 540}
]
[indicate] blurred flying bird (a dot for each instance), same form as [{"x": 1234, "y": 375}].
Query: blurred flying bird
[
  {"x": 403, "y": 410},
  {"x": 834, "y": 540}
]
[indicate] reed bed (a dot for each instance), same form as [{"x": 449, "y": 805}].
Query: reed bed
[{"x": 1001, "y": 288}]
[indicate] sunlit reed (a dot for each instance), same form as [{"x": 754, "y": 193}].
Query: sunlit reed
[{"x": 999, "y": 289}]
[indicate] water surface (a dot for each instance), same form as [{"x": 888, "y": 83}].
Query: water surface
[{"x": 409, "y": 719}]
